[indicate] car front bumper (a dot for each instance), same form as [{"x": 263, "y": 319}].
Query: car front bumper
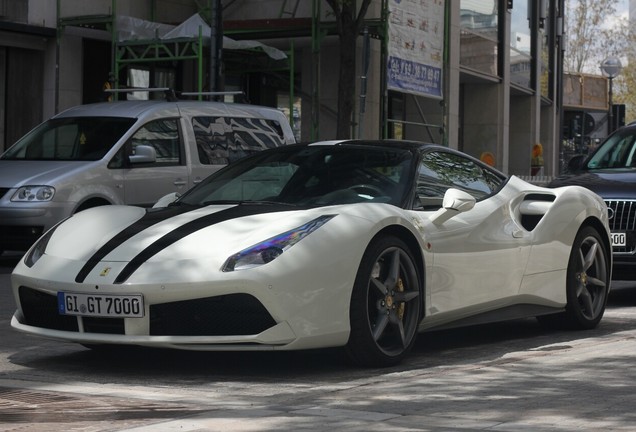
[{"x": 258, "y": 309}]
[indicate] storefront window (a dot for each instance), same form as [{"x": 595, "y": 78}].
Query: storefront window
[
  {"x": 520, "y": 44},
  {"x": 479, "y": 35}
]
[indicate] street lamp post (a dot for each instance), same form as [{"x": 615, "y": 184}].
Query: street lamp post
[{"x": 611, "y": 68}]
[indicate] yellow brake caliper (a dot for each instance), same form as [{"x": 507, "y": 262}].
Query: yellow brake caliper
[{"x": 400, "y": 309}]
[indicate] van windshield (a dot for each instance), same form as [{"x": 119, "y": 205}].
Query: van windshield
[{"x": 69, "y": 139}]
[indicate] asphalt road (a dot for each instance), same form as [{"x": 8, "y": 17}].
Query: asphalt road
[{"x": 512, "y": 376}]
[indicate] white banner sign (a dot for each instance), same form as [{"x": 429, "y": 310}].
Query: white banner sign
[{"x": 416, "y": 46}]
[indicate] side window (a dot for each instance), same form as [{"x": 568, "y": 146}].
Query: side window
[
  {"x": 163, "y": 136},
  {"x": 618, "y": 155},
  {"x": 439, "y": 171},
  {"x": 221, "y": 140}
]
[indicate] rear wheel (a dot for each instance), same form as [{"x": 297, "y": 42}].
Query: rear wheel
[
  {"x": 385, "y": 305},
  {"x": 588, "y": 282}
]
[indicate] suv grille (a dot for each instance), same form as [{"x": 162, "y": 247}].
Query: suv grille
[
  {"x": 622, "y": 218},
  {"x": 3, "y": 191}
]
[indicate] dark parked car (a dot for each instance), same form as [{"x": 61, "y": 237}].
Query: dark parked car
[{"x": 610, "y": 171}]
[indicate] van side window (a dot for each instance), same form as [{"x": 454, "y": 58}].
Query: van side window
[
  {"x": 163, "y": 136},
  {"x": 221, "y": 140}
]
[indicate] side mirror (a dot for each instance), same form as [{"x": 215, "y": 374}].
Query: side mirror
[
  {"x": 143, "y": 154},
  {"x": 455, "y": 202},
  {"x": 576, "y": 163}
]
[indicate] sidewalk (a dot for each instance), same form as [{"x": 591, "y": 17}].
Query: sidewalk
[
  {"x": 582, "y": 385},
  {"x": 512, "y": 376}
]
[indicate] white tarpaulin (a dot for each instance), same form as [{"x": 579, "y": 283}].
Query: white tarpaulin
[{"x": 129, "y": 28}]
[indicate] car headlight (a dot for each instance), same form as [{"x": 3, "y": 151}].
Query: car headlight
[
  {"x": 34, "y": 194},
  {"x": 270, "y": 249},
  {"x": 37, "y": 251}
]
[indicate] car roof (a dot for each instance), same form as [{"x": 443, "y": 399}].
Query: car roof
[
  {"x": 135, "y": 109},
  {"x": 412, "y": 146}
]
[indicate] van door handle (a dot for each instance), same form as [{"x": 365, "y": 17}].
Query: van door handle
[
  {"x": 197, "y": 180},
  {"x": 179, "y": 182}
]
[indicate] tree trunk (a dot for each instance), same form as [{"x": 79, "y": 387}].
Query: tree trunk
[
  {"x": 346, "y": 78},
  {"x": 349, "y": 20}
]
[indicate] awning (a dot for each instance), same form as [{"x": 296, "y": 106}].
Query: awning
[{"x": 130, "y": 28}]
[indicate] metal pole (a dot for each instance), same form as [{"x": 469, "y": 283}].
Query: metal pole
[
  {"x": 611, "y": 68},
  {"x": 363, "y": 80},
  {"x": 384, "y": 92},
  {"x": 292, "y": 74},
  {"x": 610, "y": 114},
  {"x": 315, "y": 53},
  {"x": 216, "y": 45}
]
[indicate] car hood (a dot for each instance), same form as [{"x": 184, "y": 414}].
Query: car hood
[
  {"x": 609, "y": 184},
  {"x": 16, "y": 173},
  {"x": 126, "y": 238},
  {"x": 120, "y": 233}
]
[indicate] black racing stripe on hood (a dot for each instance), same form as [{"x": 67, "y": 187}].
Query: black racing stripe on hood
[
  {"x": 152, "y": 217},
  {"x": 191, "y": 227}
]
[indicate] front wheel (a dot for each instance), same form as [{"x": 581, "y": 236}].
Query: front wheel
[
  {"x": 385, "y": 305},
  {"x": 588, "y": 282}
]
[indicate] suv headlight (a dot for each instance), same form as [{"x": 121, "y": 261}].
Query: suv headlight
[
  {"x": 270, "y": 249},
  {"x": 34, "y": 194}
]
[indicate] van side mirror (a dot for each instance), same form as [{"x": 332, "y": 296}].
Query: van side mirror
[
  {"x": 143, "y": 154},
  {"x": 455, "y": 202}
]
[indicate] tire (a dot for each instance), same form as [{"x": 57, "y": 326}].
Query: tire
[
  {"x": 588, "y": 283},
  {"x": 386, "y": 305}
]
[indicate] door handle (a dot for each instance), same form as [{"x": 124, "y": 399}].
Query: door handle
[{"x": 179, "y": 182}]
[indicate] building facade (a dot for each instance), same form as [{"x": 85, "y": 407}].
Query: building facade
[{"x": 500, "y": 66}]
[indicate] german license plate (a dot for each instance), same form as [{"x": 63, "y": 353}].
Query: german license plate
[
  {"x": 100, "y": 305},
  {"x": 618, "y": 239}
]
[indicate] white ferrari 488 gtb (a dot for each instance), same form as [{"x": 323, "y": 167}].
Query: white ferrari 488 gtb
[{"x": 354, "y": 244}]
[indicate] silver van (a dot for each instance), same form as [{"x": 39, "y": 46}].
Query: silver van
[{"x": 126, "y": 152}]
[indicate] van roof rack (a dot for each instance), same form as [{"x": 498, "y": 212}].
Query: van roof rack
[
  {"x": 215, "y": 93},
  {"x": 223, "y": 93},
  {"x": 171, "y": 95}
]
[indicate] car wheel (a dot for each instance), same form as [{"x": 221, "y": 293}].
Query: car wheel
[
  {"x": 385, "y": 305},
  {"x": 588, "y": 283}
]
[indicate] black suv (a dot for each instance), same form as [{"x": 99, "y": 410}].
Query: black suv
[{"x": 610, "y": 171}]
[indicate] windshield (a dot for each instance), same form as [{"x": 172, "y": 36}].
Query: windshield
[
  {"x": 619, "y": 151},
  {"x": 310, "y": 176},
  {"x": 68, "y": 139}
]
